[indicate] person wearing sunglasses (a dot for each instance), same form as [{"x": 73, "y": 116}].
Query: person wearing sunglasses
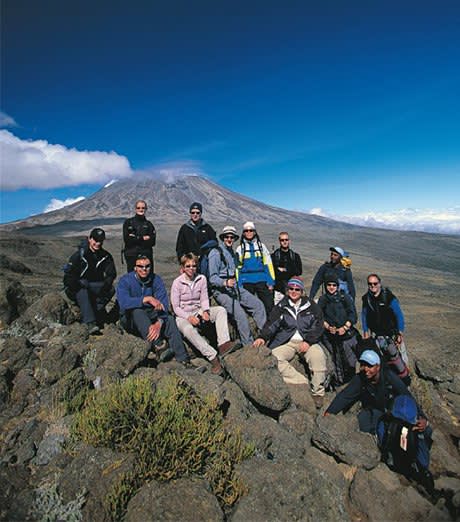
[
  {"x": 294, "y": 328},
  {"x": 286, "y": 263},
  {"x": 194, "y": 233},
  {"x": 88, "y": 280},
  {"x": 190, "y": 303},
  {"x": 144, "y": 306},
  {"x": 139, "y": 236},
  {"x": 340, "y": 337}
]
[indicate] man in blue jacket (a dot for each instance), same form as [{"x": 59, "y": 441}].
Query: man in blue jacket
[{"x": 144, "y": 308}]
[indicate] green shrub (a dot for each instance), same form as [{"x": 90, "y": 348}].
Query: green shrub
[{"x": 171, "y": 430}]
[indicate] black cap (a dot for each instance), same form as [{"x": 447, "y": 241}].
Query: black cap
[
  {"x": 98, "y": 234},
  {"x": 196, "y": 206}
]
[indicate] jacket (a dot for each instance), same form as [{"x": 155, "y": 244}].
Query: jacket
[
  {"x": 289, "y": 260},
  {"x": 188, "y": 297},
  {"x": 134, "y": 229},
  {"x": 382, "y": 315},
  {"x": 92, "y": 266},
  {"x": 283, "y": 322},
  {"x": 254, "y": 263},
  {"x": 221, "y": 266},
  {"x": 337, "y": 308},
  {"x": 191, "y": 237},
  {"x": 344, "y": 276}
]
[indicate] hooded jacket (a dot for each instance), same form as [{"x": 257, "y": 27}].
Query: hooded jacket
[
  {"x": 191, "y": 237},
  {"x": 254, "y": 263}
]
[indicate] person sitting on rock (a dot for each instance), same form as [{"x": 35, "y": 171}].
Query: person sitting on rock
[
  {"x": 193, "y": 234},
  {"x": 144, "y": 305},
  {"x": 377, "y": 388},
  {"x": 286, "y": 264},
  {"x": 294, "y": 327},
  {"x": 190, "y": 303},
  {"x": 339, "y": 268},
  {"x": 225, "y": 290},
  {"x": 255, "y": 268},
  {"x": 340, "y": 337},
  {"x": 88, "y": 279}
]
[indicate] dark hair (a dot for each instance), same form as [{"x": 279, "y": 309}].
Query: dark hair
[
  {"x": 376, "y": 276},
  {"x": 142, "y": 256}
]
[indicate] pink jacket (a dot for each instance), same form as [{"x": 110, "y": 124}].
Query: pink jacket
[{"x": 188, "y": 297}]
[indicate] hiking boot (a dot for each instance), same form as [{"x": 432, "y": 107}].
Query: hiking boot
[
  {"x": 93, "y": 328},
  {"x": 216, "y": 367},
  {"x": 319, "y": 401},
  {"x": 228, "y": 347}
]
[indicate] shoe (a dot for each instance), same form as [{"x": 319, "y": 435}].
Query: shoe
[
  {"x": 319, "y": 401},
  {"x": 228, "y": 347},
  {"x": 93, "y": 329},
  {"x": 216, "y": 367},
  {"x": 165, "y": 354}
]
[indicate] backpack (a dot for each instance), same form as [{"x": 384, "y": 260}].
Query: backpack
[
  {"x": 396, "y": 438},
  {"x": 203, "y": 263}
]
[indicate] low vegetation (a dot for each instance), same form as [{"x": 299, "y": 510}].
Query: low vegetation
[{"x": 171, "y": 430}]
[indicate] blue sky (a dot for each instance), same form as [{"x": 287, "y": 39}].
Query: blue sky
[{"x": 347, "y": 108}]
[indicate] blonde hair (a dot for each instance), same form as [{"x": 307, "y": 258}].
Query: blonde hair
[{"x": 188, "y": 257}]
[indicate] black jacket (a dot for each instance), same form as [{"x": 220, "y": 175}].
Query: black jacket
[
  {"x": 134, "y": 229},
  {"x": 191, "y": 237},
  {"x": 337, "y": 308},
  {"x": 90, "y": 266},
  {"x": 289, "y": 260},
  {"x": 283, "y": 323},
  {"x": 343, "y": 274}
]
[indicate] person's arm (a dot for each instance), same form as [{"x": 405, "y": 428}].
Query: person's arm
[
  {"x": 152, "y": 233},
  {"x": 347, "y": 397},
  {"x": 72, "y": 273},
  {"x": 271, "y": 325},
  {"x": 180, "y": 243},
  {"x": 176, "y": 300},
  {"x": 130, "y": 237},
  {"x": 269, "y": 270},
  {"x": 395, "y": 306},
  {"x": 350, "y": 283},
  {"x": 214, "y": 269},
  {"x": 202, "y": 284},
  {"x": 317, "y": 281},
  {"x": 159, "y": 292},
  {"x": 316, "y": 328},
  {"x": 350, "y": 311},
  {"x": 124, "y": 297},
  {"x": 364, "y": 312},
  {"x": 110, "y": 272}
]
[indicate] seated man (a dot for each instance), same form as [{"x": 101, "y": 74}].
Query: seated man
[
  {"x": 377, "y": 387},
  {"x": 294, "y": 327},
  {"x": 88, "y": 279},
  {"x": 225, "y": 290},
  {"x": 144, "y": 307}
]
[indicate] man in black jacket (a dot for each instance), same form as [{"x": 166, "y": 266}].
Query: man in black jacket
[
  {"x": 139, "y": 236},
  {"x": 88, "y": 279},
  {"x": 286, "y": 264},
  {"x": 195, "y": 233},
  {"x": 294, "y": 327}
]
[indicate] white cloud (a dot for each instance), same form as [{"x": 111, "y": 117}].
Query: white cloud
[
  {"x": 56, "y": 204},
  {"x": 111, "y": 182},
  {"x": 42, "y": 165},
  {"x": 6, "y": 120},
  {"x": 446, "y": 221}
]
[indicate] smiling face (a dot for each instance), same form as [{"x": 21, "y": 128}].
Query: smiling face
[
  {"x": 94, "y": 245},
  {"x": 141, "y": 207},
  {"x": 189, "y": 264},
  {"x": 195, "y": 215},
  {"x": 331, "y": 287},
  {"x": 249, "y": 234},
  {"x": 284, "y": 241},
  {"x": 143, "y": 267},
  {"x": 228, "y": 240},
  {"x": 374, "y": 285},
  {"x": 370, "y": 372},
  {"x": 294, "y": 293}
]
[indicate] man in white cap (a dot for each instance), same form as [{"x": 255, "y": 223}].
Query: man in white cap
[
  {"x": 225, "y": 290},
  {"x": 335, "y": 266}
]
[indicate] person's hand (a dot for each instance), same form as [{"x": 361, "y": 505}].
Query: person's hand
[
  {"x": 152, "y": 301},
  {"x": 282, "y": 269},
  {"x": 304, "y": 347},
  {"x": 366, "y": 335},
  {"x": 205, "y": 316},
  {"x": 154, "y": 331},
  {"x": 399, "y": 339},
  {"x": 145, "y": 238},
  {"x": 258, "y": 342},
  {"x": 333, "y": 330},
  {"x": 230, "y": 282},
  {"x": 341, "y": 330},
  {"x": 421, "y": 425},
  {"x": 193, "y": 320}
]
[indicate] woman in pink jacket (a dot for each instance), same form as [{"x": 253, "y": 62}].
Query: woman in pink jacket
[{"x": 190, "y": 302}]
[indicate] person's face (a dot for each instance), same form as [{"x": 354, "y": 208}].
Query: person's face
[
  {"x": 294, "y": 293},
  {"x": 189, "y": 268},
  {"x": 249, "y": 234},
  {"x": 331, "y": 288},
  {"x": 195, "y": 215},
  {"x": 374, "y": 286},
  {"x": 228, "y": 240},
  {"x": 284, "y": 242},
  {"x": 335, "y": 258},
  {"x": 141, "y": 208},
  {"x": 142, "y": 268},
  {"x": 94, "y": 244},
  {"x": 370, "y": 372}
]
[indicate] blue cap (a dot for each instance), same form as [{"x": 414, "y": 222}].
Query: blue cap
[{"x": 370, "y": 357}]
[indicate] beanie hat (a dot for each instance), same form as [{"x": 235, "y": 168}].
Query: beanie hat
[
  {"x": 98, "y": 234},
  {"x": 369, "y": 357},
  {"x": 249, "y": 225},
  {"x": 227, "y": 230},
  {"x": 296, "y": 281},
  {"x": 331, "y": 278},
  {"x": 196, "y": 206}
]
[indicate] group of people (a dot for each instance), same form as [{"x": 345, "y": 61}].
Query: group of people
[{"x": 220, "y": 281}]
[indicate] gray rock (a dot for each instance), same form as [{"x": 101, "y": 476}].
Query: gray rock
[
  {"x": 433, "y": 369},
  {"x": 444, "y": 456},
  {"x": 20, "y": 444},
  {"x": 15, "y": 353},
  {"x": 13, "y": 302},
  {"x": 24, "y": 387},
  {"x": 380, "y": 495},
  {"x": 56, "y": 361},
  {"x": 339, "y": 436},
  {"x": 5, "y": 379},
  {"x": 236, "y": 406},
  {"x": 6, "y": 263},
  {"x": 255, "y": 371},
  {"x": 288, "y": 489},
  {"x": 53, "y": 441},
  {"x": 302, "y": 398},
  {"x": 187, "y": 500},
  {"x": 298, "y": 422},
  {"x": 16, "y": 496},
  {"x": 450, "y": 485}
]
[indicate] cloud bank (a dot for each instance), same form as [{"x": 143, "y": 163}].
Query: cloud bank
[
  {"x": 445, "y": 221},
  {"x": 56, "y": 204},
  {"x": 6, "y": 120},
  {"x": 42, "y": 165}
]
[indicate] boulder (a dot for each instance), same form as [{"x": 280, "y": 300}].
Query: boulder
[
  {"x": 56, "y": 361},
  {"x": 298, "y": 422},
  {"x": 433, "y": 369},
  {"x": 13, "y": 302},
  {"x": 187, "y": 500},
  {"x": 255, "y": 371},
  {"x": 302, "y": 398},
  {"x": 6, "y": 263},
  {"x": 16, "y": 496},
  {"x": 16, "y": 353},
  {"x": 339, "y": 436},
  {"x": 55, "y": 436},
  {"x": 24, "y": 388},
  {"x": 21, "y": 442}
]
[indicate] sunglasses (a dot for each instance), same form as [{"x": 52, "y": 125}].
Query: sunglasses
[
  {"x": 143, "y": 267},
  {"x": 189, "y": 266},
  {"x": 284, "y": 240},
  {"x": 195, "y": 212},
  {"x": 294, "y": 289},
  {"x": 331, "y": 284},
  {"x": 141, "y": 208},
  {"x": 373, "y": 284},
  {"x": 229, "y": 237},
  {"x": 249, "y": 230}
]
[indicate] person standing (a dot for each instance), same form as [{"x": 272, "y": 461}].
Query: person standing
[
  {"x": 139, "y": 236},
  {"x": 193, "y": 234},
  {"x": 286, "y": 263},
  {"x": 255, "y": 268}
]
